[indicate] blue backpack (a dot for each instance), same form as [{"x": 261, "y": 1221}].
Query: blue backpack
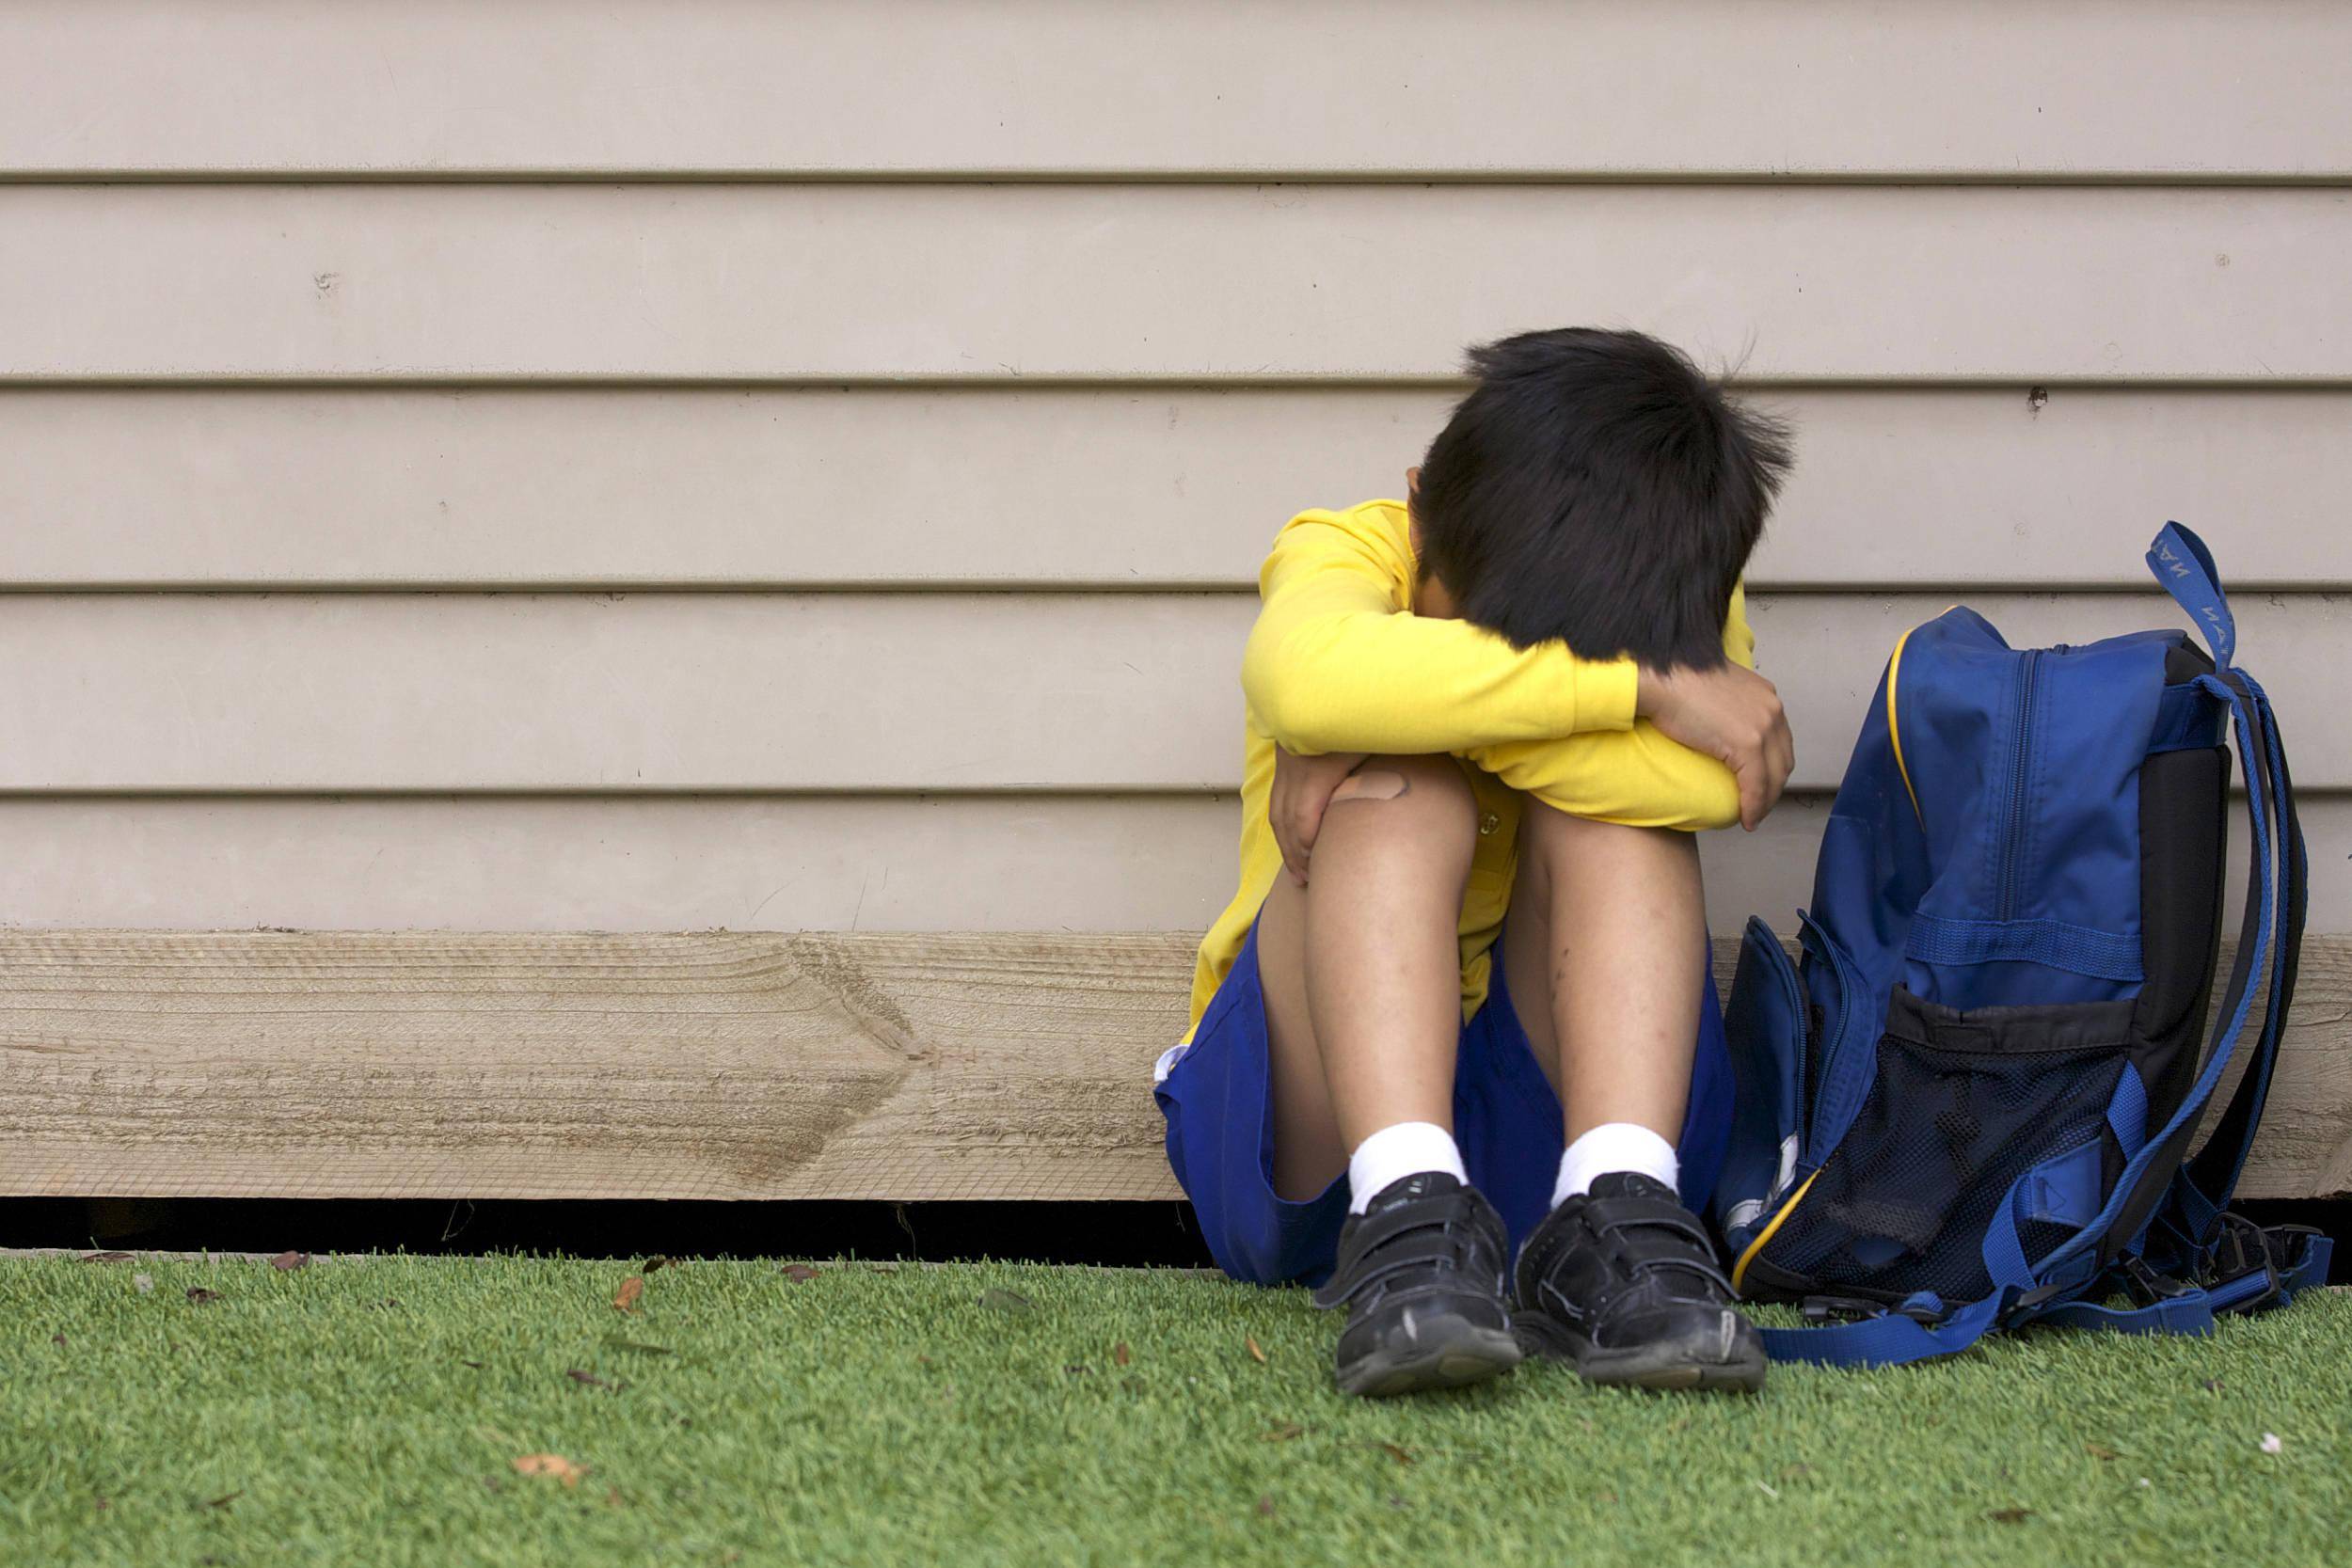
[{"x": 1970, "y": 1105}]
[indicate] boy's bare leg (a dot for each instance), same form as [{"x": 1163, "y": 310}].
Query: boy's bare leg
[
  {"x": 1361, "y": 969},
  {"x": 1603, "y": 954}
]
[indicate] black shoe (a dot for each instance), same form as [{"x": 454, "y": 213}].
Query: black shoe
[
  {"x": 1422, "y": 1272},
  {"x": 1624, "y": 1283}
]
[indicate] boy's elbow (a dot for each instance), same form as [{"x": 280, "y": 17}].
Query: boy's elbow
[
  {"x": 1298, "y": 727},
  {"x": 1281, "y": 689},
  {"x": 1700, "y": 794}
]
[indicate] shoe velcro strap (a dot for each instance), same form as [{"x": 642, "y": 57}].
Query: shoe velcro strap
[
  {"x": 1685, "y": 1263},
  {"x": 1413, "y": 1252},
  {"x": 1647, "y": 1235},
  {"x": 1622, "y": 1214},
  {"x": 1451, "y": 1227},
  {"x": 1382, "y": 1227}
]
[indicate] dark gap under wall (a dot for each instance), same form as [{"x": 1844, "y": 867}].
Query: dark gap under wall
[
  {"x": 1131, "y": 1235},
  {"x": 1117, "y": 1234}
]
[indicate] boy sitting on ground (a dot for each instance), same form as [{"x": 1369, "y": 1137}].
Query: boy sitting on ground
[{"x": 1522, "y": 689}]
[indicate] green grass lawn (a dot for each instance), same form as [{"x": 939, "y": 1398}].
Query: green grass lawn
[{"x": 372, "y": 1410}]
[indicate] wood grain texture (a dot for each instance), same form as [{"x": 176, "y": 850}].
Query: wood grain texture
[
  {"x": 825, "y": 863},
  {"x": 624, "y": 693},
  {"x": 1127, "y": 489},
  {"x": 831, "y": 282},
  {"x": 705, "y": 1065},
  {"x": 2008, "y": 89}
]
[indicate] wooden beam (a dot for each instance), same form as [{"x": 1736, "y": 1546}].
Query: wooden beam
[{"x": 705, "y": 1065}]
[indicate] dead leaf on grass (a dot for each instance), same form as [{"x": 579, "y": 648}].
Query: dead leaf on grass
[
  {"x": 1394, "y": 1453},
  {"x": 57, "y": 1339},
  {"x": 286, "y": 1263},
  {"x": 108, "y": 1257},
  {"x": 624, "y": 1299},
  {"x": 1256, "y": 1352},
  {"x": 226, "y": 1499},
  {"x": 1282, "y": 1434},
  {"x": 655, "y": 1264},
  {"x": 2100, "y": 1452},
  {"x": 1265, "y": 1508},
  {"x": 475, "y": 1365},
  {"x": 553, "y": 1464},
  {"x": 998, "y": 1300},
  {"x": 2010, "y": 1515},
  {"x": 799, "y": 1273},
  {"x": 1120, "y": 1355},
  {"x": 580, "y": 1374},
  {"x": 202, "y": 1296}
]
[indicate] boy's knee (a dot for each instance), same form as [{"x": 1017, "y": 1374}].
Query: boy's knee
[
  {"x": 1552, "y": 832},
  {"x": 1418, "y": 793}
]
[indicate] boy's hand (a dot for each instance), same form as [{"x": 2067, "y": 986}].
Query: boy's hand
[
  {"x": 1730, "y": 714},
  {"x": 1302, "y": 788}
]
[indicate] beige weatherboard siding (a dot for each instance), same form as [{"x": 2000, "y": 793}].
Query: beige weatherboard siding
[
  {"x": 824, "y": 282},
  {"x": 801, "y": 468},
  {"x": 348, "y": 693},
  {"x": 1117, "y": 487},
  {"x": 1998, "y": 89},
  {"x": 962, "y": 862}
]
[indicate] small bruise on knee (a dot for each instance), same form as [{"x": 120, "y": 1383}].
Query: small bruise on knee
[{"x": 1378, "y": 783}]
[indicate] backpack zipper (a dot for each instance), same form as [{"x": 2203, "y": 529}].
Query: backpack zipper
[{"x": 2015, "y": 807}]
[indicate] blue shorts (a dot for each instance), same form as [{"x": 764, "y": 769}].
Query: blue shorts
[{"x": 1220, "y": 1128}]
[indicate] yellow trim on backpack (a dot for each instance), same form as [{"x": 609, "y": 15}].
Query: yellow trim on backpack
[
  {"x": 1740, "y": 1270},
  {"x": 1894, "y": 730}
]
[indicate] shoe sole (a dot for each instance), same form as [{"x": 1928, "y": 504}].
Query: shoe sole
[
  {"x": 1670, "y": 1367},
  {"x": 1448, "y": 1352}
]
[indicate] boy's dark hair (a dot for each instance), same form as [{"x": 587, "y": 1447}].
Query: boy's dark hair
[{"x": 1595, "y": 487}]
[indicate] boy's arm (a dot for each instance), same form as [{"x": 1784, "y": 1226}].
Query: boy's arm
[
  {"x": 1643, "y": 779},
  {"x": 1333, "y": 666}
]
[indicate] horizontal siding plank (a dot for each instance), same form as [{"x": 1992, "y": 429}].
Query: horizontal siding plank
[
  {"x": 825, "y": 282},
  {"x": 721, "y": 692},
  {"x": 1827, "y": 88},
  {"x": 1129, "y": 488},
  {"x": 1141, "y": 862},
  {"x": 705, "y": 1065}
]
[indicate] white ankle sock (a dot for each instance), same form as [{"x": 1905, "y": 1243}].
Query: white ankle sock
[
  {"x": 1394, "y": 1153},
  {"x": 1613, "y": 1146}
]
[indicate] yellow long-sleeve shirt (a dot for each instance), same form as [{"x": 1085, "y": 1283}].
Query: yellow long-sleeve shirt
[{"x": 1339, "y": 662}]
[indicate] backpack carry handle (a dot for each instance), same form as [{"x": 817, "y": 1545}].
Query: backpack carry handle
[{"x": 2185, "y": 566}]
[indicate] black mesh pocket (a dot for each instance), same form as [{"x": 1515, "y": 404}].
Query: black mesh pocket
[{"x": 1964, "y": 1103}]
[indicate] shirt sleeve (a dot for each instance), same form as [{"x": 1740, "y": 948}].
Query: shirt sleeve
[
  {"x": 1333, "y": 665},
  {"x": 1637, "y": 777}
]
